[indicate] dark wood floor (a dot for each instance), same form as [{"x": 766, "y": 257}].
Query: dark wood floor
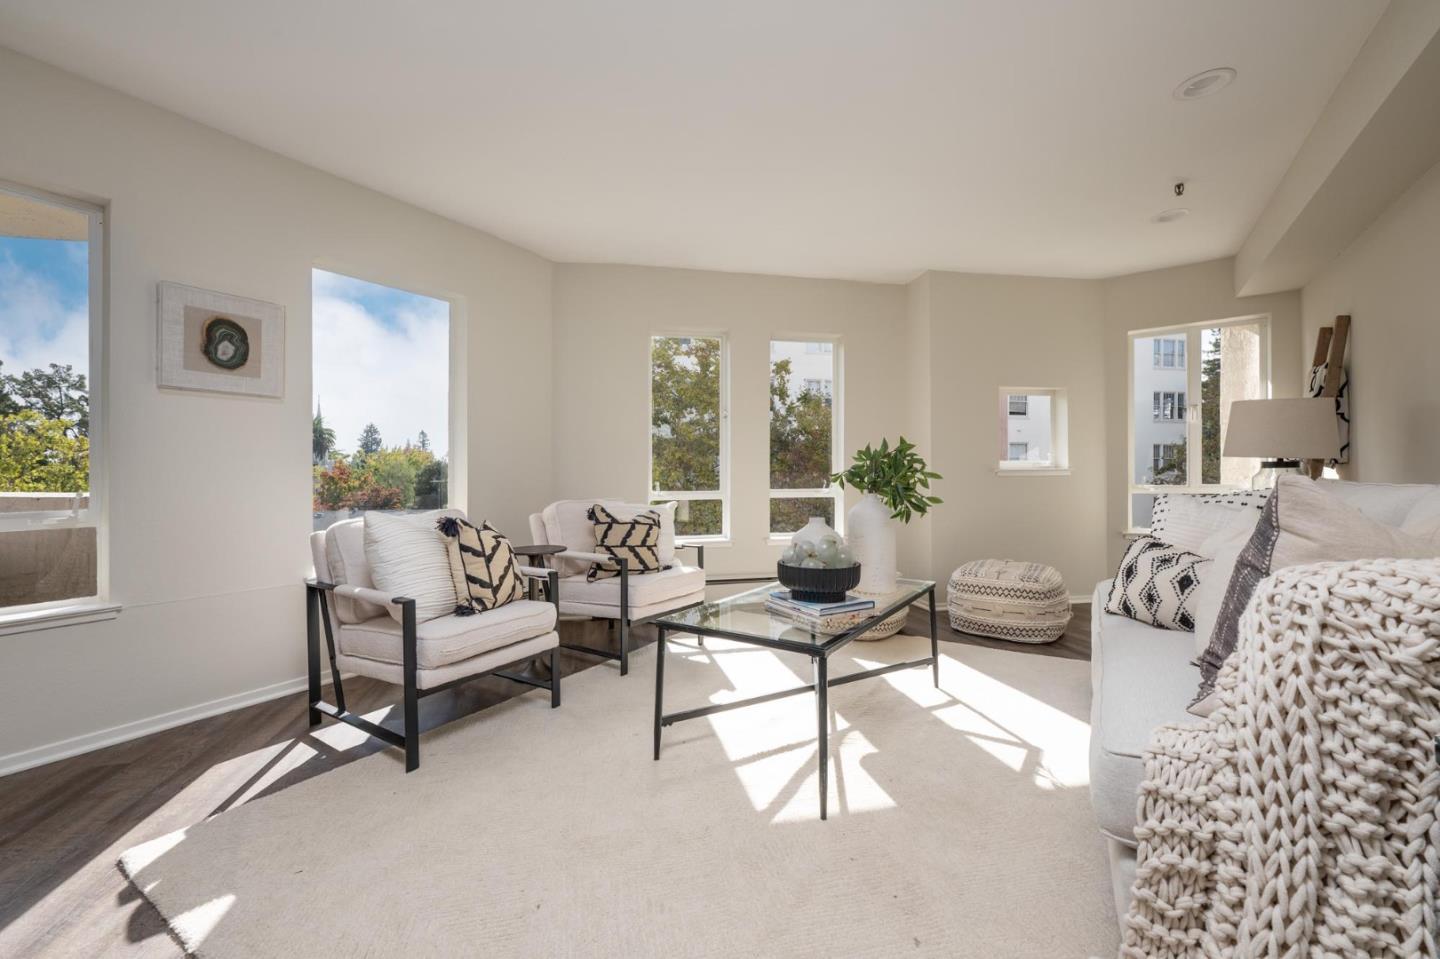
[{"x": 63, "y": 826}]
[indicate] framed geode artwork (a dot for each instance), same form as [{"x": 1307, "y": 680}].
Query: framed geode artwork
[{"x": 220, "y": 343}]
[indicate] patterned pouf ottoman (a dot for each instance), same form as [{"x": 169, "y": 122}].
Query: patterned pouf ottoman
[{"x": 1008, "y": 599}]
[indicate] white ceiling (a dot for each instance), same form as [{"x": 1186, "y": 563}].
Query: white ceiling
[{"x": 841, "y": 138}]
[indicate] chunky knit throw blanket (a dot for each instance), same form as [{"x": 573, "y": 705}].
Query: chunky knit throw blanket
[{"x": 1299, "y": 819}]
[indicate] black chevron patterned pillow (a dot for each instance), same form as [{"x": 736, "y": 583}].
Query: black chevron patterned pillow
[
  {"x": 1156, "y": 585},
  {"x": 636, "y": 539},
  {"x": 482, "y": 565}
]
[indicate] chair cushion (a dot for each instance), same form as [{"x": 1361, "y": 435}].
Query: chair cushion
[
  {"x": 567, "y": 523},
  {"x": 345, "y": 556},
  {"x": 449, "y": 639},
  {"x": 644, "y": 590},
  {"x": 636, "y": 539},
  {"x": 1142, "y": 678},
  {"x": 408, "y": 557},
  {"x": 482, "y": 564}
]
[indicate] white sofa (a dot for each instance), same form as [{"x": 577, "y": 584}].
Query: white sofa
[
  {"x": 1143, "y": 677},
  {"x": 361, "y": 637},
  {"x": 625, "y": 599}
]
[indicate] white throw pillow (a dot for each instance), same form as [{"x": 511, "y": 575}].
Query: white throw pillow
[
  {"x": 1424, "y": 517},
  {"x": 1156, "y": 585},
  {"x": 1187, "y": 520},
  {"x": 408, "y": 557},
  {"x": 1223, "y": 549},
  {"x": 1303, "y": 523}
]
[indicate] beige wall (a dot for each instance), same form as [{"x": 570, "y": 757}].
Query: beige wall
[
  {"x": 1185, "y": 294},
  {"x": 603, "y": 318},
  {"x": 988, "y": 332},
  {"x": 210, "y": 494},
  {"x": 1389, "y": 283}
]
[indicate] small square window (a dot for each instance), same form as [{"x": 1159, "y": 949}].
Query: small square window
[{"x": 1033, "y": 429}]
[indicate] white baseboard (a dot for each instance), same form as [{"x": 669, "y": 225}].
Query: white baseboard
[{"x": 88, "y": 742}]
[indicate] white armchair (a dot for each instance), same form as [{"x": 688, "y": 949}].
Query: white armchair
[
  {"x": 625, "y": 599},
  {"x": 361, "y": 637}
]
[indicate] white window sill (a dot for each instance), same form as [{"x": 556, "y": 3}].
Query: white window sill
[
  {"x": 709, "y": 542},
  {"x": 52, "y": 618},
  {"x": 1032, "y": 471}
]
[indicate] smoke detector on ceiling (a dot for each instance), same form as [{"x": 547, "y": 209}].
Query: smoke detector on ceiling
[
  {"x": 1171, "y": 215},
  {"x": 1204, "y": 84}
]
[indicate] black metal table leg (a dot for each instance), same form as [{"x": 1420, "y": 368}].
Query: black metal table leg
[
  {"x": 659, "y": 686},
  {"x": 934, "y": 640},
  {"x": 822, "y": 711}
]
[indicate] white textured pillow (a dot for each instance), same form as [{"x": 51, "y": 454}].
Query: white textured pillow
[
  {"x": 408, "y": 557},
  {"x": 1223, "y": 549},
  {"x": 1424, "y": 517},
  {"x": 1156, "y": 585},
  {"x": 1187, "y": 520}
]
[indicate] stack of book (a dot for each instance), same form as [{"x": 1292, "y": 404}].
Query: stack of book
[{"x": 828, "y": 618}]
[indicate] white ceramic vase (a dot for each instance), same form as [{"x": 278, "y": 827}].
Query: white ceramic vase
[
  {"x": 871, "y": 533},
  {"x": 813, "y": 532}
]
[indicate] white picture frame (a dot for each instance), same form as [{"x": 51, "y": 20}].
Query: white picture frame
[{"x": 185, "y": 314}]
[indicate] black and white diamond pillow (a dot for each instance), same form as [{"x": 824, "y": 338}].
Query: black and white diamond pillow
[{"x": 1156, "y": 585}]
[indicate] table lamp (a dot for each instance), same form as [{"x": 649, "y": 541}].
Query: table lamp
[{"x": 1282, "y": 433}]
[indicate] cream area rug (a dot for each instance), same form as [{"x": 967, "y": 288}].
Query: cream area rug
[{"x": 959, "y": 825}]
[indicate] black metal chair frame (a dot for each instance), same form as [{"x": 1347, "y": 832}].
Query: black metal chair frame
[
  {"x": 317, "y": 608},
  {"x": 624, "y": 620}
]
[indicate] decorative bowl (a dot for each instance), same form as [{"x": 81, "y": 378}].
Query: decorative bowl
[{"x": 822, "y": 585}]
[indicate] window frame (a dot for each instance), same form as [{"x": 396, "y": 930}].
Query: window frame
[
  {"x": 1193, "y": 347},
  {"x": 723, "y": 493},
  {"x": 96, "y": 514},
  {"x": 456, "y": 369},
  {"x": 1059, "y": 463},
  {"x": 836, "y": 352}
]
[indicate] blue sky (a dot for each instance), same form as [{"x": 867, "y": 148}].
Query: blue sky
[
  {"x": 44, "y": 303},
  {"x": 381, "y": 355}
]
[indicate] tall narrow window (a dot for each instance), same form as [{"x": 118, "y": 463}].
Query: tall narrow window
[
  {"x": 688, "y": 434},
  {"x": 51, "y": 476},
  {"x": 802, "y": 434},
  {"x": 380, "y": 436},
  {"x": 1167, "y": 426}
]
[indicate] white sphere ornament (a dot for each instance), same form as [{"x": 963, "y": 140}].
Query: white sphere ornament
[
  {"x": 810, "y": 562},
  {"x": 844, "y": 557},
  {"x": 828, "y": 553}
]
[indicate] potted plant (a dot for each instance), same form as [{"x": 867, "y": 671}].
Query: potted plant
[{"x": 896, "y": 484}]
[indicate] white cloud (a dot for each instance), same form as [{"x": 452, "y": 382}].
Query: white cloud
[
  {"x": 35, "y": 328},
  {"x": 394, "y": 374}
]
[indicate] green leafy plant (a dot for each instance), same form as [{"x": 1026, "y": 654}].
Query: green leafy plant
[{"x": 897, "y": 475}]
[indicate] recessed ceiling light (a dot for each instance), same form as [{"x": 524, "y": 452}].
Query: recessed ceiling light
[
  {"x": 1170, "y": 216},
  {"x": 1204, "y": 84}
]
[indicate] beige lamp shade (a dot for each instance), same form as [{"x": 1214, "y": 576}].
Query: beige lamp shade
[{"x": 1302, "y": 429}]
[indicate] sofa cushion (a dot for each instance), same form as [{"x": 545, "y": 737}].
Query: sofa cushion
[
  {"x": 449, "y": 639},
  {"x": 644, "y": 590},
  {"x": 1142, "y": 678},
  {"x": 1156, "y": 585},
  {"x": 1187, "y": 520},
  {"x": 1304, "y": 522},
  {"x": 1387, "y": 503}
]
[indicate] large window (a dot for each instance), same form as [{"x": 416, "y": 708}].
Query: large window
[
  {"x": 1175, "y": 441},
  {"x": 51, "y": 470},
  {"x": 380, "y": 436},
  {"x": 803, "y": 432},
  {"x": 689, "y": 455}
]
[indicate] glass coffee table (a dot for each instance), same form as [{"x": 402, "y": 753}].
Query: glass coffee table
[{"x": 744, "y": 619}]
